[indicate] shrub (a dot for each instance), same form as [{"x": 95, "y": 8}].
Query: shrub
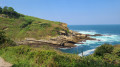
[
  {"x": 57, "y": 29},
  {"x": 118, "y": 53},
  {"x": 27, "y": 22},
  {"x": 4, "y": 41},
  {"x": 105, "y": 48},
  {"x": 10, "y": 12},
  {"x": 45, "y": 25},
  {"x": 2, "y": 37}
]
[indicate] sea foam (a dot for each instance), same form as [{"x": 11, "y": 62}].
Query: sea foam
[
  {"x": 87, "y": 52},
  {"x": 102, "y": 39},
  {"x": 92, "y": 32},
  {"x": 90, "y": 45}
]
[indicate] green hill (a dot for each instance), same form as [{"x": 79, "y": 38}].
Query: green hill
[{"x": 22, "y": 26}]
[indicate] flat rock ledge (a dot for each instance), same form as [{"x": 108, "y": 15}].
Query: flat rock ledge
[{"x": 62, "y": 41}]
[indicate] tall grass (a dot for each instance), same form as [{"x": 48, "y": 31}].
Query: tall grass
[{"x": 46, "y": 56}]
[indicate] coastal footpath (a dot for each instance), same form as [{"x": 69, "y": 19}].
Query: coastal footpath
[{"x": 3, "y": 63}]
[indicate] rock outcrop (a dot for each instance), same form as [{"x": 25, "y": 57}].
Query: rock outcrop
[
  {"x": 62, "y": 41},
  {"x": 95, "y": 35},
  {"x": 66, "y": 39}
]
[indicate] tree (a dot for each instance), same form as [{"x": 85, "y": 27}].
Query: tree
[
  {"x": 105, "y": 48},
  {"x": 0, "y": 10},
  {"x": 5, "y": 10},
  {"x": 10, "y": 11}
]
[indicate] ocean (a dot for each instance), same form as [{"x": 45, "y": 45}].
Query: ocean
[{"x": 111, "y": 32}]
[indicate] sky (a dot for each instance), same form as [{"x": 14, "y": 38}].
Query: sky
[{"x": 72, "y": 12}]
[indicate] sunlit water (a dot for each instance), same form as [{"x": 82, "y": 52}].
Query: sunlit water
[{"x": 111, "y": 35}]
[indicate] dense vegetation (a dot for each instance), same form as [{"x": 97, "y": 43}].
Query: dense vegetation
[
  {"x": 10, "y": 12},
  {"x": 19, "y": 27},
  {"x": 108, "y": 53},
  {"x": 45, "y": 56},
  {"x": 105, "y": 48},
  {"x": 5, "y": 41}
]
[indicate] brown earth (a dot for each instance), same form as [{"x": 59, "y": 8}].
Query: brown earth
[{"x": 3, "y": 63}]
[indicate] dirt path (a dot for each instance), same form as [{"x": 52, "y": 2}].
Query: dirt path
[{"x": 3, "y": 63}]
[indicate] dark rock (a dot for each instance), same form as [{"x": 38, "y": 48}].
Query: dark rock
[
  {"x": 88, "y": 38},
  {"x": 97, "y": 35},
  {"x": 69, "y": 45},
  {"x": 99, "y": 40},
  {"x": 79, "y": 43}
]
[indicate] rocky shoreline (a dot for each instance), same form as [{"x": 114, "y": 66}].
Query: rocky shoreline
[{"x": 62, "y": 41}]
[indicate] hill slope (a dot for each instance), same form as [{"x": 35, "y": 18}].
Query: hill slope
[
  {"x": 31, "y": 30},
  {"x": 27, "y": 26}
]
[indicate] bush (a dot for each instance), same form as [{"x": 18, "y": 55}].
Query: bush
[
  {"x": 27, "y": 22},
  {"x": 45, "y": 25},
  {"x": 10, "y": 12},
  {"x": 105, "y": 48},
  {"x": 118, "y": 53},
  {"x": 4, "y": 41},
  {"x": 2, "y": 37}
]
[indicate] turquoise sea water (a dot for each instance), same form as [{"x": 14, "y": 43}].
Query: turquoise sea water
[{"x": 111, "y": 32}]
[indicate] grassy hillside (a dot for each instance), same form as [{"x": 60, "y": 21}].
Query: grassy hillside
[
  {"x": 28, "y": 26},
  {"x": 18, "y": 26}
]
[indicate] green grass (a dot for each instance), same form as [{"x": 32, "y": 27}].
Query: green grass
[
  {"x": 29, "y": 27},
  {"x": 46, "y": 56}
]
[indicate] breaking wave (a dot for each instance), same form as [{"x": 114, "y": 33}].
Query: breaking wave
[
  {"x": 87, "y": 52},
  {"x": 102, "y": 39}
]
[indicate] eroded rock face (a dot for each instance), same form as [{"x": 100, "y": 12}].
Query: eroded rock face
[
  {"x": 62, "y": 32},
  {"x": 59, "y": 41},
  {"x": 63, "y": 24}
]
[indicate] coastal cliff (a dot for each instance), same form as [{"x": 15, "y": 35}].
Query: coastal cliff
[
  {"x": 36, "y": 32},
  {"x": 28, "y": 30},
  {"x": 64, "y": 40}
]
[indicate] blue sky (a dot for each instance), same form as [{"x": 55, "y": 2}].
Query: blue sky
[{"x": 72, "y": 12}]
